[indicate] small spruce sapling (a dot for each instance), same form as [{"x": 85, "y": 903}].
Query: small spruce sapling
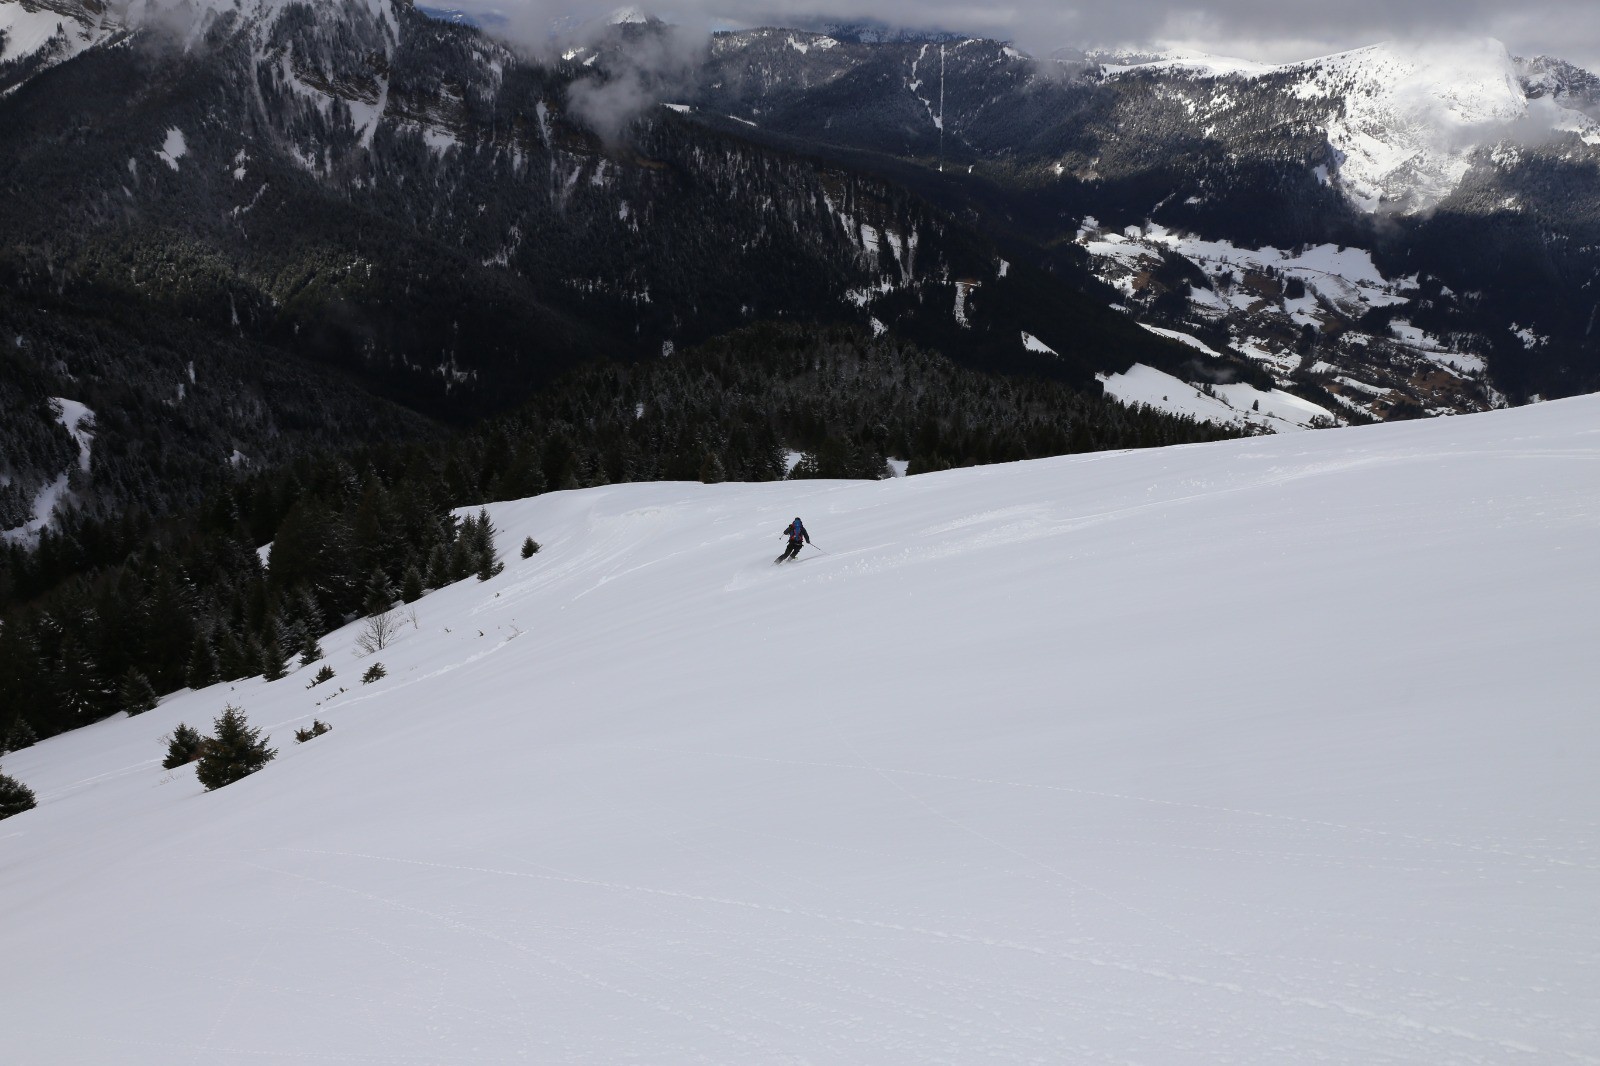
[
  {"x": 318, "y": 727},
  {"x": 15, "y": 797},
  {"x": 375, "y": 672},
  {"x": 183, "y": 747},
  {"x": 236, "y": 752},
  {"x": 325, "y": 674},
  {"x": 311, "y": 652},
  {"x": 530, "y": 548}
]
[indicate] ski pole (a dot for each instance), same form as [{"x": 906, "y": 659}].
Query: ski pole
[{"x": 810, "y": 545}]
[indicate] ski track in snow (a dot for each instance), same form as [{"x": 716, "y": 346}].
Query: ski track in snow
[{"x": 1272, "y": 751}]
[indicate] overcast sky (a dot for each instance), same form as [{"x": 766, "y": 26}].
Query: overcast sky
[{"x": 1269, "y": 30}]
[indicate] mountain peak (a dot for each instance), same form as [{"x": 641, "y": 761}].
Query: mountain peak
[{"x": 630, "y": 16}]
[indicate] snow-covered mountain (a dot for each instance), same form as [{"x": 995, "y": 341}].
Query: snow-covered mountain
[
  {"x": 37, "y": 34},
  {"x": 381, "y": 194},
  {"x": 353, "y": 192},
  {"x": 1277, "y": 751},
  {"x": 1465, "y": 180},
  {"x": 1405, "y": 122}
]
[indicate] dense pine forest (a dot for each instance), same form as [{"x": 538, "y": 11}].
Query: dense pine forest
[{"x": 105, "y": 614}]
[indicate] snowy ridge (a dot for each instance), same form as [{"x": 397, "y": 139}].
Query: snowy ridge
[
  {"x": 50, "y": 36},
  {"x": 1405, "y": 121},
  {"x": 1186, "y": 60},
  {"x": 32, "y": 29},
  {"x": 1413, "y": 116},
  {"x": 1275, "y": 751}
]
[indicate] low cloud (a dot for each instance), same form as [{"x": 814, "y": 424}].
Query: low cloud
[
  {"x": 1268, "y": 30},
  {"x": 624, "y": 81},
  {"x": 651, "y": 70}
]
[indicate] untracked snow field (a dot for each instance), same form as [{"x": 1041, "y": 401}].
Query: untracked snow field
[{"x": 1273, "y": 751}]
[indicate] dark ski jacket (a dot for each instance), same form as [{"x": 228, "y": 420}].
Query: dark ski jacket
[{"x": 797, "y": 532}]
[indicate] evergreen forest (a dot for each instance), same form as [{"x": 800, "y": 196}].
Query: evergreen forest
[{"x": 108, "y": 612}]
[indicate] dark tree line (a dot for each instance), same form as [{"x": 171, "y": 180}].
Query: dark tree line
[
  {"x": 106, "y": 615},
  {"x": 191, "y": 603}
]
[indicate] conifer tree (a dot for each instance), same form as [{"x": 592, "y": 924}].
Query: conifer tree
[
  {"x": 489, "y": 566},
  {"x": 312, "y": 548},
  {"x": 273, "y": 661},
  {"x": 20, "y": 736},
  {"x": 482, "y": 533},
  {"x": 233, "y": 657},
  {"x": 236, "y": 751},
  {"x": 378, "y": 595},
  {"x": 135, "y": 692},
  {"x": 290, "y": 634},
  {"x": 255, "y": 657},
  {"x": 530, "y": 548},
  {"x": 312, "y": 650},
  {"x": 438, "y": 574},
  {"x": 81, "y": 694},
  {"x": 183, "y": 746},
  {"x": 203, "y": 669},
  {"x": 318, "y": 727},
  {"x": 308, "y": 610},
  {"x": 374, "y": 524},
  {"x": 462, "y": 563},
  {"x": 23, "y": 675},
  {"x": 411, "y": 584},
  {"x": 15, "y": 797},
  {"x": 478, "y": 534}
]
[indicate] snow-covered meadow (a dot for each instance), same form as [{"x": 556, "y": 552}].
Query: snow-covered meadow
[{"x": 1273, "y": 751}]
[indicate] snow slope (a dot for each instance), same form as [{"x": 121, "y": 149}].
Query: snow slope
[
  {"x": 1238, "y": 405},
  {"x": 1273, "y": 751}
]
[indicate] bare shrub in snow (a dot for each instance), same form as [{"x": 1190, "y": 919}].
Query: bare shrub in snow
[{"x": 379, "y": 632}]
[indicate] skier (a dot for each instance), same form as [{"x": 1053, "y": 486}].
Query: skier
[{"x": 798, "y": 538}]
